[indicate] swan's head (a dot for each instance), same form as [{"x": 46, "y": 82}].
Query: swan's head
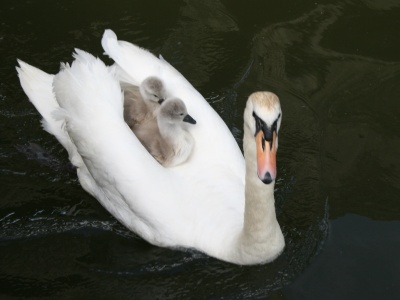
[
  {"x": 173, "y": 111},
  {"x": 152, "y": 89},
  {"x": 263, "y": 116}
]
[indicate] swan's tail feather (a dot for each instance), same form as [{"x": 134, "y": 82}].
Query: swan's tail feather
[{"x": 38, "y": 86}]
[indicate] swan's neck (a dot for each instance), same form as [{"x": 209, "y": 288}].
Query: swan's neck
[{"x": 261, "y": 239}]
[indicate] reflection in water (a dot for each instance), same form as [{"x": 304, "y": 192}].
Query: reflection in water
[
  {"x": 200, "y": 46},
  {"x": 338, "y": 116},
  {"x": 355, "y": 245},
  {"x": 354, "y": 92}
]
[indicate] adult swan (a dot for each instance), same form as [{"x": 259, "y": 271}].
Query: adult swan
[{"x": 214, "y": 203}]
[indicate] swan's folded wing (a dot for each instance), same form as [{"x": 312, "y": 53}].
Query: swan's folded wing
[
  {"x": 38, "y": 86},
  {"x": 126, "y": 178}
]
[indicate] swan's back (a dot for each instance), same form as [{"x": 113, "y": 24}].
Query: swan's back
[
  {"x": 198, "y": 204},
  {"x": 209, "y": 207},
  {"x": 212, "y": 137},
  {"x": 123, "y": 171}
]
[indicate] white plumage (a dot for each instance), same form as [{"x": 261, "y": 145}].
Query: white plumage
[{"x": 199, "y": 204}]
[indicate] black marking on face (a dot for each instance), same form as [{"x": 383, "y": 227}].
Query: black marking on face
[
  {"x": 274, "y": 126},
  {"x": 267, "y": 131}
]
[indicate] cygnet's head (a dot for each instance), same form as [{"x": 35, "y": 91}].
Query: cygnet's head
[
  {"x": 152, "y": 89},
  {"x": 174, "y": 110}
]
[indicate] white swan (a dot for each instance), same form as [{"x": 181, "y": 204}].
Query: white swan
[
  {"x": 167, "y": 138},
  {"x": 141, "y": 102},
  {"x": 207, "y": 203}
]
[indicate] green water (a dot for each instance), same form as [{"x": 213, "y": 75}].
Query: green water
[{"x": 336, "y": 68}]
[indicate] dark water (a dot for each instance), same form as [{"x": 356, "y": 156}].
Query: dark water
[{"x": 336, "y": 68}]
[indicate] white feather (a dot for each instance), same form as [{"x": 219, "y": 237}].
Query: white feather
[{"x": 199, "y": 204}]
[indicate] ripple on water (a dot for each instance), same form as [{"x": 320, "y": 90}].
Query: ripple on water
[{"x": 59, "y": 241}]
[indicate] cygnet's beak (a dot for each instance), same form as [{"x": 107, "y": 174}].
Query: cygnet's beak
[
  {"x": 266, "y": 157},
  {"x": 161, "y": 101},
  {"x": 189, "y": 119}
]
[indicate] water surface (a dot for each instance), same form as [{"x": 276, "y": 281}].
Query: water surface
[{"x": 335, "y": 66}]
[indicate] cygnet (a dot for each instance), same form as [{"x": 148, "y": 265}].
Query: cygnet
[
  {"x": 167, "y": 138},
  {"x": 141, "y": 102}
]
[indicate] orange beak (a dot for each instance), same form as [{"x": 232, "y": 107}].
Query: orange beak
[{"x": 266, "y": 158}]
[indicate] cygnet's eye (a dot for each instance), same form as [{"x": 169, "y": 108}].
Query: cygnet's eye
[{"x": 155, "y": 96}]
